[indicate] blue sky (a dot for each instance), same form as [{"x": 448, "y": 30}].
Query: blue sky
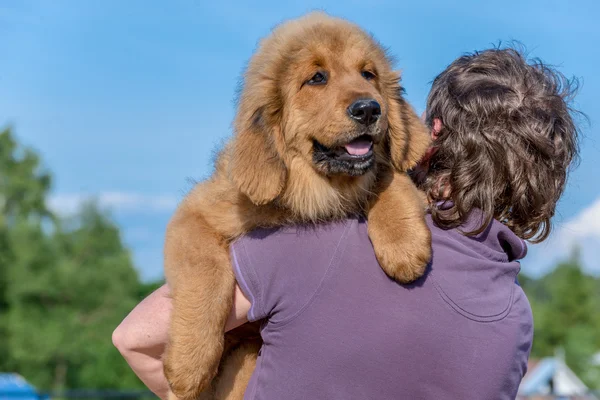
[{"x": 126, "y": 100}]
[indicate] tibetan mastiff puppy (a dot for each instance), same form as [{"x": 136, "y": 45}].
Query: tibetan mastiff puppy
[{"x": 321, "y": 132}]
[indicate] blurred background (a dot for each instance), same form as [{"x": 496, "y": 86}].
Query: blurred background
[{"x": 110, "y": 110}]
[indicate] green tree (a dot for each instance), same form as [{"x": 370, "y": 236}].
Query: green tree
[
  {"x": 566, "y": 309},
  {"x": 23, "y": 187},
  {"x": 65, "y": 284},
  {"x": 23, "y": 182},
  {"x": 70, "y": 290}
]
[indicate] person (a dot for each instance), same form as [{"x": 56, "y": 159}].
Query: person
[{"x": 335, "y": 327}]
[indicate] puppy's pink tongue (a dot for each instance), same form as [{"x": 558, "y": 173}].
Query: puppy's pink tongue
[{"x": 359, "y": 147}]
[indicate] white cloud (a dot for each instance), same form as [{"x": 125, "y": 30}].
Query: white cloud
[
  {"x": 582, "y": 231},
  {"x": 114, "y": 201},
  {"x": 587, "y": 223}
]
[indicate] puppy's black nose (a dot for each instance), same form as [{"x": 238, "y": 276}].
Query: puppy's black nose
[{"x": 365, "y": 111}]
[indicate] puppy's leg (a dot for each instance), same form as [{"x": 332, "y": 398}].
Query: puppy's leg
[
  {"x": 202, "y": 283},
  {"x": 236, "y": 370},
  {"x": 397, "y": 228}
]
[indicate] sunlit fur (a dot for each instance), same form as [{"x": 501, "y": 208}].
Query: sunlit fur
[{"x": 265, "y": 176}]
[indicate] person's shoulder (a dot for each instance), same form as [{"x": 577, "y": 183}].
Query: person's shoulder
[
  {"x": 476, "y": 275},
  {"x": 496, "y": 241}
]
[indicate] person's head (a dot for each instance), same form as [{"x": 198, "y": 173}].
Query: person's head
[{"x": 504, "y": 139}]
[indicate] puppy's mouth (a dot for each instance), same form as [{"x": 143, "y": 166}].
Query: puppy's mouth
[{"x": 354, "y": 158}]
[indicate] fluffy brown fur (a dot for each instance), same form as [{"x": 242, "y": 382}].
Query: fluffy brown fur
[{"x": 267, "y": 175}]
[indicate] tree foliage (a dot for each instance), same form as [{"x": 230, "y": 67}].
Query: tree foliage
[
  {"x": 566, "y": 310},
  {"x": 65, "y": 284}
]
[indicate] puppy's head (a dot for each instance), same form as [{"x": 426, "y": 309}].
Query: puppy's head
[{"x": 320, "y": 103}]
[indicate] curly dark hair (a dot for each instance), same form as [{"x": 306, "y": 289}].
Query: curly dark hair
[{"x": 507, "y": 142}]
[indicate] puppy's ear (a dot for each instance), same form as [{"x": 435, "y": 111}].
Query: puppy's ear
[
  {"x": 409, "y": 137},
  {"x": 255, "y": 166}
]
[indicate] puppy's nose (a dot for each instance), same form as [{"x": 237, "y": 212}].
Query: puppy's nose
[{"x": 365, "y": 111}]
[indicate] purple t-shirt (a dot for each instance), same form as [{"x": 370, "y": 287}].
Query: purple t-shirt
[{"x": 336, "y": 327}]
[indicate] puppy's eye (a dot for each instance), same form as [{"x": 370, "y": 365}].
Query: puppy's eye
[
  {"x": 368, "y": 75},
  {"x": 320, "y": 78}
]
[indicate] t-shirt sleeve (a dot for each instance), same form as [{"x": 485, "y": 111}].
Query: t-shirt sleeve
[{"x": 279, "y": 271}]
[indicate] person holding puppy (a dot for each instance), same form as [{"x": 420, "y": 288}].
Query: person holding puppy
[{"x": 336, "y": 327}]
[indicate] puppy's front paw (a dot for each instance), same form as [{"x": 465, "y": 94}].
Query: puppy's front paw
[{"x": 403, "y": 255}]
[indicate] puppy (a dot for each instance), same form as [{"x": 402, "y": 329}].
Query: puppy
[{"x": 321, "y": 132}]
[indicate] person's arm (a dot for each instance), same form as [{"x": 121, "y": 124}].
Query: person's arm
[{"x": 142, "y": 336}]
